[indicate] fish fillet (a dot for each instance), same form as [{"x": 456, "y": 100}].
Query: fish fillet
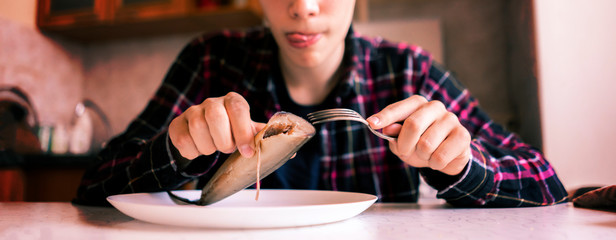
[{"x": 282, "y": 137}]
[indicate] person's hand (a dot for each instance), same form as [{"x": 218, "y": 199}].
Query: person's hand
[
  {"x": 429, "y": 136},
  {"x": 218, "y": 124}
]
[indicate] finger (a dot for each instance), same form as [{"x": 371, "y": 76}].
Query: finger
[
  {"x": 396, "y": 112},
  {"x": 458, "y": 164},
  {"x": 181, "y": 139},
  {"x": 416, "y": 125},
  {"x": 393, "y": 129},
  {"x": 432, "y": 138},
  {"x": 457, "y": 148},
  {"x": 242, "y": 126},
  {"x": 199, "y": 131},
  {"x": 454, "y": 146},
  {"x": 411, "y": 159},
  {"x": 219, "y": 126},
  {"x": 258, "y": 126}
]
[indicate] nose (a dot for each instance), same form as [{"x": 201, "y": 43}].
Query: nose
[{"x": 304, "y": 9}]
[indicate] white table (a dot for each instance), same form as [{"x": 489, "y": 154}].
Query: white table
[{"x": 42, "y": 220}]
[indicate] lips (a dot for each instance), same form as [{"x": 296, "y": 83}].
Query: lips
[{"x": 302, "y": 40}]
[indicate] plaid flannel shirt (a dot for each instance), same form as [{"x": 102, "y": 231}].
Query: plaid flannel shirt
[{"x": 503, "y": 170}]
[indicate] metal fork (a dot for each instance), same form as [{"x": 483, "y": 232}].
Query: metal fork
[{"x": 338, "y": 114}]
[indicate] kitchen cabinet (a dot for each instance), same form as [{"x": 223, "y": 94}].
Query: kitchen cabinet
[
  {"x": 47, "y": 177},
  {"x": 103, "y": 20},
  {"x": 42, "y": 177},
  {"x": 52, "y": 184},
  {"x": 58, "y": 13},
  {"x": 143, "y": 10}
]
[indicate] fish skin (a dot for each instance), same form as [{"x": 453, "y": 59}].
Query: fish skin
[{"x": 238, "y": 172}]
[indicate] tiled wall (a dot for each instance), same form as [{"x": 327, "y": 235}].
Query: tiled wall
[
  {"x": 57, "y": 74},
  {"x": 122, "y": 76},
  {"x": 50, "y": 72}
]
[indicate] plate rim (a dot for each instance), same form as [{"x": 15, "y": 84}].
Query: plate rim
[
  {"x": 371, "y": 197},
  {"x": 343, "y": 210}
]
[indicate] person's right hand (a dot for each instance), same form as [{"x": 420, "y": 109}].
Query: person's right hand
[{"x": 217, "y": 124}]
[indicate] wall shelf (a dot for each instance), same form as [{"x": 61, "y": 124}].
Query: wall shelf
[{"x": 107, "y": 20}]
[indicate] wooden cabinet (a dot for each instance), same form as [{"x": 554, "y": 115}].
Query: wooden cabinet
[
  {"x": 143, "y": 10},
  {"x": 101, "y": 20},
  {"x": 42, "y": 177},
  {"x": 54, "y": 13},
  {"x": 52, "y": 184}
]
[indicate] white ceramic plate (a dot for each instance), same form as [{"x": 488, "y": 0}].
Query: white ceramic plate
[{"x": 275, "y": 208}]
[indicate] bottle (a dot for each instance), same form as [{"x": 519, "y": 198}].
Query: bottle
[{"x": 81, "y": 131}]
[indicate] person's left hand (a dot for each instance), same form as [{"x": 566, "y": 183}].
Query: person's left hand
[{"x": 429, "y": 136}]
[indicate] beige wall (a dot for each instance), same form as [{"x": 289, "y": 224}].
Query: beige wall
[
  {"x": 20, "y": 11},
  {"x": 577, "y": 58},
  {"x": 121, "y": 76},
  {"x": 50, "y": 71}
]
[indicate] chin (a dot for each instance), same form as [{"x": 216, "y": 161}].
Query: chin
[
  {"x": 309, "y": 61},
  {"x": 306, "y": 59}
]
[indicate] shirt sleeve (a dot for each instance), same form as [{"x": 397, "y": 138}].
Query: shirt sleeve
[
  {"x": 143, "y": 159},
  {"x": 503, "y": 170}
]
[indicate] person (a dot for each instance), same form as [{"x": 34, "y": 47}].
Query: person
[{"x": 224, "y": 86}]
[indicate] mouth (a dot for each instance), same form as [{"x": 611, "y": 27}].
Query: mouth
[{"x": 302, "y": 40}]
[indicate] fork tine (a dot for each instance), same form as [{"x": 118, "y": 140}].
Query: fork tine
[
  {"x": 327, "y": 115},
  {"x": 332, "y": 112},
  {"x": 337, "y": 118},
  {"x": 336, "y": 114},
  {"x": 338, "y": 110}
]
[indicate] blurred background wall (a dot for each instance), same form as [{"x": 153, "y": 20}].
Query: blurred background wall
[
  {"x": 489, "y": 46},
  {"x": 576, "y": 60}
]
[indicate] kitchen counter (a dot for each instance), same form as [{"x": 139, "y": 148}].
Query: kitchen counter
[
  {"x": 44, "y": 177},
  {"x": 46, "y": 161},
  {"x": 430, "y": 220}
]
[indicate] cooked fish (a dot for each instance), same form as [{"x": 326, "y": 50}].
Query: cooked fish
[{"x": 283, "y": 135}]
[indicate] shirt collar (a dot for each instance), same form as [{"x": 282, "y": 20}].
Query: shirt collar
[{"x": 356, "y": 56}]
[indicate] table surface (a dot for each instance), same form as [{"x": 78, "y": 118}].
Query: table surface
[{"x": 431, "y": 220}]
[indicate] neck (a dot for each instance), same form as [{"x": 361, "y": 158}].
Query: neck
[{"x": 311, "y": 85}]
